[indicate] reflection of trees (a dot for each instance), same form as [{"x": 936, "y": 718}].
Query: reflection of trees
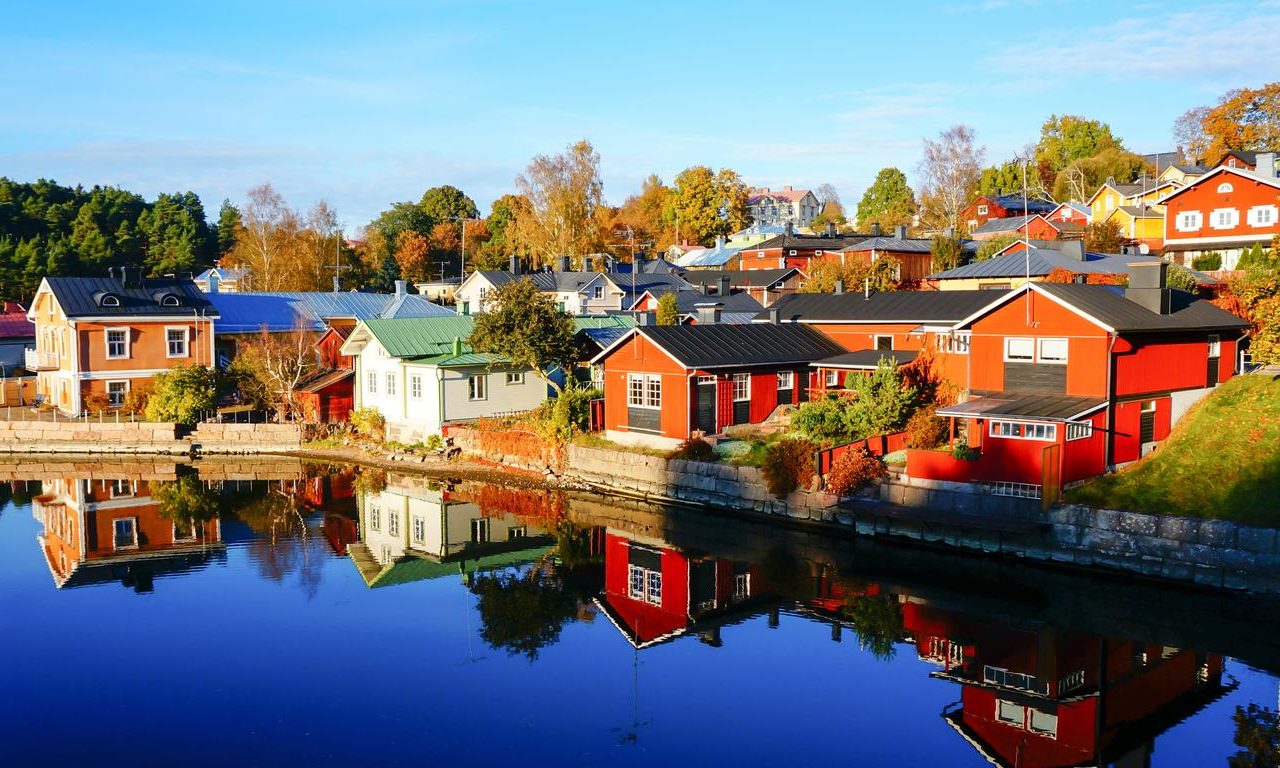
[
  {"x": 285, "y": 543},
  {"x": 186, "y": 501},
  {"x": 1258, "y": 736},
  {"x": 878, "y": 621}
]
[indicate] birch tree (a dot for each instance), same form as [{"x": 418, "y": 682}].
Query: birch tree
[{"x": 949, "y": 174}]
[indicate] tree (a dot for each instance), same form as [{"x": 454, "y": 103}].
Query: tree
[
  {"x": 493, "y": 253},
  {"x": 707, "y": 204},
  {"x": 187, "y": 501},
  {"x": 646, "y": 217},
  {"x": 178, "y": 238},
  {"x": 1255, "y": 258},
  {"x": 832, "y": 213},
  {"x": 948, "y": 252},
  {"x": 1243, "y": 119},
  {"x": 525, "y": 327},
  {"x": 1067, "y": 138},
  {"x": 1081, "y": 178},
  {"x": 1258, "y": 736},
  {"x": 888, "y": 202},
  {"x": 990, "y": 248},
  {"x": 668, "y": 311},
  {"x": 411, "y": 256},
  {"x": 184, "y": 394},
  {"x": 447, "y": 203},
  {"x": 826, "y": 193},
  {"x": 857, "y": 275},
  {"x": 271, "y": 365},
  {"x": 949, "y": 173},
  {"x": 881, "y": 401},
  {"x": 523, "y": 613},
  {"x": 1104, "y": 237},
  {"x": 228, "y": 223},
  {"x": 565, "y": 204},
  {"x": 263, "y": 240},
  {"x": 1007, "y": 179}
]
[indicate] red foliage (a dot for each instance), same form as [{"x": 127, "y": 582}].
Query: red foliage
[
  {"x": 1229, "y": 301},
  {"x": 924, "y": 429},
  {"x": 853, "y": 470},
  {"x": 789, "y": 464},
  {"x": 541, "y": 507},
  {"x": 694, "y": 449}
]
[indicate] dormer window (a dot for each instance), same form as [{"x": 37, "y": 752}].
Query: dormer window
[
  {"x": 169, "y": 300},
  {"x": 110, "y": 300}
]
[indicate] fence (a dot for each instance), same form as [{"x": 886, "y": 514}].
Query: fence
[
  {"x": 877, "y": 445},
  {"x": 53, "y": 415}
]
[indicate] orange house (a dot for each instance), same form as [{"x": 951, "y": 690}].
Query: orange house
[
  {"x": 99, "y": 337},
  {"x": 1226, "y": 210}
]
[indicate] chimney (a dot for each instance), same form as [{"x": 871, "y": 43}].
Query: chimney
[
  {"x": 337, "y": 284},
  {"x": 402, "y": 288},
  {"x": 457, "y": 345},
  {"x": 788, "y": 230},
  {"x": 1266, "y": 167},
  {"x": 513, "y": 264},
  {"x": 644, "y": 318},
  {"x": 702, "y": 288},
  {"x": 637, "y": 263},
  {"x": 875, "y": 229},
  {"x": 213, "y": 281},
  {"x": 111, "y": 272},
  {"x": 708, "y": 314},
  {"x": 775, "y": 315},
  {"x": 131, "y": 277},
  {"x": 831, "y": 229},
  {"x": 563, "y": 265},
  {"x": 839, "y": 286},
  {"x": 1148, "y": 286},
  {"x": 900, "y": 231},
  {"x": 1072, "y": 249},
  {"x": 724, "y": 285},
  {"x": 787, "y": 188}
]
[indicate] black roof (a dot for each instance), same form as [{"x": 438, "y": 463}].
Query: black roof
[
  {"x": 924, "y": 307},
  {"x": 866, "y": 358},
  {"x": 1108, "y": 305},
  {"x": 688, "y": 300},
  {"x": 1025, "y": 405},
  {"x": 82, "y": 297},
  {"x": 1014, "y": 202},
  {"x": 739, "y": 278},
  {"x": 740, "y": 346},
  {"x": 820, "y": 242}
]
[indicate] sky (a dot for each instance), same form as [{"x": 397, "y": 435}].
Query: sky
[{"x": 367, "y": 104}]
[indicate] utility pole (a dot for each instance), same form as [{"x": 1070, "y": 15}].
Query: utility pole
[{"x": 462, "y": 268}]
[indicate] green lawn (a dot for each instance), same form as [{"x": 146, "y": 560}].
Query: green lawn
[{"x": 1222, "y": 461}]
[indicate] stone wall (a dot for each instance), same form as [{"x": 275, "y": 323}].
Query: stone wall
[
  {"x": 246, "y": 438},
  {"x": 959, "y": 498},
  {"x": 92, "y": 437}
]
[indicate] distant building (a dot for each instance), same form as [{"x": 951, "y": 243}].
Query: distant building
[
  {"x": 778, "y": 207},
  {"x": 222, "y": 279},
  {"x": 988, "y": 207}
]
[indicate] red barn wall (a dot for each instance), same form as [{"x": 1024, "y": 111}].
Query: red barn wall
[{"x": 639, "y": 355}]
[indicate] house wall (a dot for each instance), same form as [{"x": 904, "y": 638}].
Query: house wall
[
  {"x": 639, "y": 355},
  {"x": 1086, "y": 344},
  {"x": 373, "y": 359},
  {"x": 984, "y": 283},
  {"x": 1202, "y": 196},
  {"x": 501, "y": 396},
  {"x": 1086, "y": 457},
  {"x": 1160, "y": 364},
  {"x": 1127, "y": 427},
  {"x": 647, "y": 620}
]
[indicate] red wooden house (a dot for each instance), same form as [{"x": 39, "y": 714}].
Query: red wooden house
[
  {"x": 1075, "y": 213},
  {"x": 913, "y": 254},
  {"x": 1226, "y": 210},
  {"x": 328, "y": 393},
  {"x": 662, "y": 383},
  {"x": 987, "y": 207},
  {"x": 1066, "y": 380},
  {"x": 796, "y": 251},
  {"x": 1035, "y": 227}
]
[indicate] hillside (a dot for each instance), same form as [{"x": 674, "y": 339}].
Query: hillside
[{"x": 1222, "y": 461}]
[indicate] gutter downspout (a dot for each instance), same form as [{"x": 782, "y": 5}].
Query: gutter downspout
[
  {"x": 688, "y": 412},
  {"x": 1109, "y": 445},
  {"x": 440, "y": 399}
]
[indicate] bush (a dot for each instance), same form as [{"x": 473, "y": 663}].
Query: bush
[
  {"x": 369, "y": 422},
  {"x": 925, "y": 430},
  {"x": 570, "y": 412},
  {"x": 964, "y": 453},
  {"x": 184, "y": 394},
  {"x": 96, "y": 402},
  {"x": 788, "y": 465},
  {"x": 433, "y": 443},
  {"x": 822, "y": 419},
  {"x": 854, "y": 469},
  {"x": 694, "y": 449},
  {"x": 1207, "y": 262},
  {"x": 135, "y": 400}
]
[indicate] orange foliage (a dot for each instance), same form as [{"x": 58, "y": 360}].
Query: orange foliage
[
  {"x": 544, "y": 508},
  {"x": 1231, "y": 303},
  {"x": 1060, "y": 275},
  {"x": 922, "y": 373},
  {"x": 852, "y": 470}
]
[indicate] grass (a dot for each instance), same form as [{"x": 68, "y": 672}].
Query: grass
[
  {"x": 1222, "y": 462},
  {"x": 594, "y": 440}
]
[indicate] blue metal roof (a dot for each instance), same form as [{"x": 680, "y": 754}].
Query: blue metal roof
[{"x": 285, "y": 311}]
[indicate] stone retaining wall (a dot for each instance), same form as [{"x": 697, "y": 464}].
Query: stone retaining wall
[
  {"x": 960, "y": 498},
  {"x": 142, "y": 437},
  {"x": 246, "y": 438}
]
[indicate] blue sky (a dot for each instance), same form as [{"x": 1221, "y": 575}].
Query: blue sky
[{"x": 364, "y": 104}]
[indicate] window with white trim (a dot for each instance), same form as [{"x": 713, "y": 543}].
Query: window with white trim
[
  {"x": 117, "y": 391},
  {"x": 598, "y": 292},
  {"x": 517, "y": 532},
  {"x": 419, "y": 529},
  {"x": 371, "y": 383},
  {"x": 391, "y": 384},
  {"x": 375, "y": 518},
  {"x": 1225, "y": 188},
  {"x": 741, "y": 386},
  {"x": 415, "y": 386},
  {"x": 833, "y": 378},
  {"x": 644, "y": 390},
  {"x": 883, "y": 343},
  {"x": 1018, "y": 350},
  {"x": 176, "y": 341},
  {"x": 515, "y": 378},
  {"x": 1224, "y": 218},
  {"x": 1263, "y": 216},
  {"x": 1079, "y": 430},
  {"x": 124, "y": 533},
  {"x": 786, "y": 379},
  {"x": 117, "y": 343},
  {"x": 1018, "y": 430},
  {"x": 1215, "y": 345},
  {"x": 982, "y": 210},
  {"x": 480, "y": 530},
  {"x": 1053, "y": 351},
  {"x": 1189, "y": 221},
  {"x": 644, "y": 584},
  {"x": 478, "y": 387},
  {"x": 393, "y": 523}
]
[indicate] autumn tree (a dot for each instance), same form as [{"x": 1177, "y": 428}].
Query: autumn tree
[
  {"x": 646, "y": 217},
  {"x": 268, "y": 228},
  {"x": 1065, "y": 139},
  {"x": 411, "y": 255},
  {"x": 888, "y": 202},
  {"x": 1104, "y": 237},
  {"x": 855, "y": 275},
  {"x": 565, "y": 194},
  {"x": 989, "y": 248},
  {"x": 270, "y": 366},
  {"x": 524, "y": 326},
  {"x": 708, "y": 204},
  {"x": 947, "y": 252},
  {"x": 1081, "y": 178},
  {"x": 447, "y": 203},
  {"x": 668, "y": 310},
  {"x": 1008, "y": 179},
  {"x": 949, "y": 171},
  {"x": 498, "y": 246},
  {"x": 1245, "y": 119}
]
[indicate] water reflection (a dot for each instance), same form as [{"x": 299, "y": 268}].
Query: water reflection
[{"x": 1026, "y": 667}]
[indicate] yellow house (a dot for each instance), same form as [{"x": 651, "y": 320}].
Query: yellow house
[
  {"x": 1142, "y": 224},
  {"x": 1111, "y": 196},
  {"x": 1182, "y": 175}
]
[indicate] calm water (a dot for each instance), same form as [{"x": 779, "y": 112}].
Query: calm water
[{"x": 348, "y": 619}]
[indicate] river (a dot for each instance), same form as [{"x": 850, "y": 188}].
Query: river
[{"x": 169, "y": 615}]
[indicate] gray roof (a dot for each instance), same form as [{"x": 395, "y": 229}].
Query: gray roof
[
  {"x": 897, "y": 244},
  {"x": 717, "y": 256},
  {"x": 1014, "y": 202},
  {"x": 313, "y": 310},
  {"x": 740, "y": 278},
  {"x": 81, "y": 297},
  {"x": 921, "y": 307},
  {"x": 547, "y": 282},
  {"x": 740, "y": 346},
  {"x": 687, "y": 300},
  {"x": 1107, "y": 304},
  {"x": 1025, "y": 405},
  {"x": 866, "y": 359},
  {"x": 1011, "y": 224},
  {"x": 819, "y": 242},
  {"x": 1042, "y": 261}
]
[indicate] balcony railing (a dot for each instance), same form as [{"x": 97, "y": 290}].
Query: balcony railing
[{"x": 35, "y": 360}]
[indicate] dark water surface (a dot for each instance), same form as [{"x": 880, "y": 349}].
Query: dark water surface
[{"x": 343, "y": 618}]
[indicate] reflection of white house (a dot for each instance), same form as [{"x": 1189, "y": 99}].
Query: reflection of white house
[
  {"x": 420, "y": 373},
  {"x": 414, "y": 530}
]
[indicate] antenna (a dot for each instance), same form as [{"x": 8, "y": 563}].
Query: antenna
[{"x": 1026, "y": 238}]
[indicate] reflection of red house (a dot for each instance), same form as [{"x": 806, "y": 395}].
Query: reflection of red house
[
  {"x": 653, "y": 593},
  {"x": 1038, "y": 696},
  {"x": 328, "y": 393}
]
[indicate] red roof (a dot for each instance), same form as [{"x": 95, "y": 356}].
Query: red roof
[
  {"x": 14, "y": 323},
  {"x": 786, "y": 193}
]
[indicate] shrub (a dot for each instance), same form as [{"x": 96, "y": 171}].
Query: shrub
[
  {"x": 570, "y": 412},
  {"x": 822, "y": 419},
  {"x": 964, "y": 453},
  {"x": 1207, "y": 262},
  {"x": 184, "y": 394},
  {"x": 788, "y": 465},
  {"x": 433, "y": 443},
  {"x": 96, "y": 402},
  {"x": 925, "y": 430},
  {"x": 694, "y": 449},
  {"x": 369, "y": 422},
  {"x": 135, "y": 400},
  {"x": 854, "y": 469}
]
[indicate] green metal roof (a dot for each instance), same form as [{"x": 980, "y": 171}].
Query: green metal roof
[
  {"x": 412, "y": 568},
  {"x": 421, "y": 336},
  {"x": 587, "y": 322}
]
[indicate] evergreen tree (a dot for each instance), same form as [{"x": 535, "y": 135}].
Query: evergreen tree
[{"x": 228, "y": 223}]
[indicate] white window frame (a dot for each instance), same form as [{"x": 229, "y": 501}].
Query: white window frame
[
  {"x": 1225, "y": 188},
  {"x": 415, "y": 386},
  {"x": 983, "y": 210},
  {"x": 478, "y": 387},
  {"x": 375, "y": 518},
  {"x": 186, "y": 341},
  {"x": 1224, "y": 218},
  {"x": 123, "y": 395},
  {"x": 179, "y": 536},
  {"x": 515, "y": 379},
  {"x": 371, "y": 382},
  {"x": 1215, "y": 345},
  {"x": 122, "y": 489},
  {"x": 418, "y": 529},
  {"x": 786, "y": 379},
  {"x": 644, "y": 390},
  {"x": 517, "y": 532},
  {"x": 644, "y": 584},
  {"x": 1030, "y": 357},
  {"x": 1023, "y": 430},
  {"x": 481, "y": 532},
  {"x": 875, "y": 341},
  {"x": 597, "y": 293},
  {"x": 393, "y": 523},
  {"x": 832, "y": 378},
  {"x": 959, "y": 342},
  {"x": 106, "y": 340},
  {"x": 1041, "y": 357},
  {"x": 1189, "y": 221},
  {"x": 741, "y": 381},
  {"x": 391, "y": 384},
  {"x": 1079, "y": 430},
  {"x": 1255, "y": 216},
  {"x": 133, "y": 524},
  {"x": 1020, "y": 720}
]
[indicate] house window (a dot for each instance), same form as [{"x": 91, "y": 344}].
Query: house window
[
  {"x": 1079, "y": 430},
  {"x": 181, "y": 533},
  {"x": 110, "y": 300},
  {"x": 480, "y": 530},
  {"x": 1225, "y": 188},
  {"x": 1262, "y": 216},
  {"x": 393, "y": 523},
  {"x": 515, "y": 378},
  {"x": 375, "y": 518},
  {"x": 1188, "y": 221},
  {"x": 597, "y": 376},
  {"x": 415, "y": 386},
  {"x": 176, "y": 341},
  {"x": 121, "y": 489},
  {"x": 419, "y": 529},
  {"x": 117, "y": 343},
  {"x": 391, "y": 384},
  {"x": 644, "y": 584},
  {"x": 124, "y": 533},
  {"x": 1043, "y": 722},
  {"x": 1224, "y": 218},
  {"x": 517, "y": 532},
  {"x": 982, "y": 210},
  {"x": 1053, "y": 351},
  {"x": 741, "y": 586},
  {"x": 1020, "y": 431},
  {"x": 117, "y": 391},
  {"x": 1008, "y": 712},
  {"x": 884, "y": 343},
  {"x": 1019, "y": 350},
  {"x": 832, "y": 378},
  {"x": 598, "y": 292},
  {"x": 644, "y": 391},
  {"x": 371, "y": 383},
  {"x": 741, "y": 386},
  {"x": 1215, "y": 346},
  {"x": 786, "y": 379},
  {"x": 957, "y": 343},
  {"x": 478, "y": 387}
]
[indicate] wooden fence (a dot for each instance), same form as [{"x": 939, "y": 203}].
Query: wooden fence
[{"x": 877, "y": 445}]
